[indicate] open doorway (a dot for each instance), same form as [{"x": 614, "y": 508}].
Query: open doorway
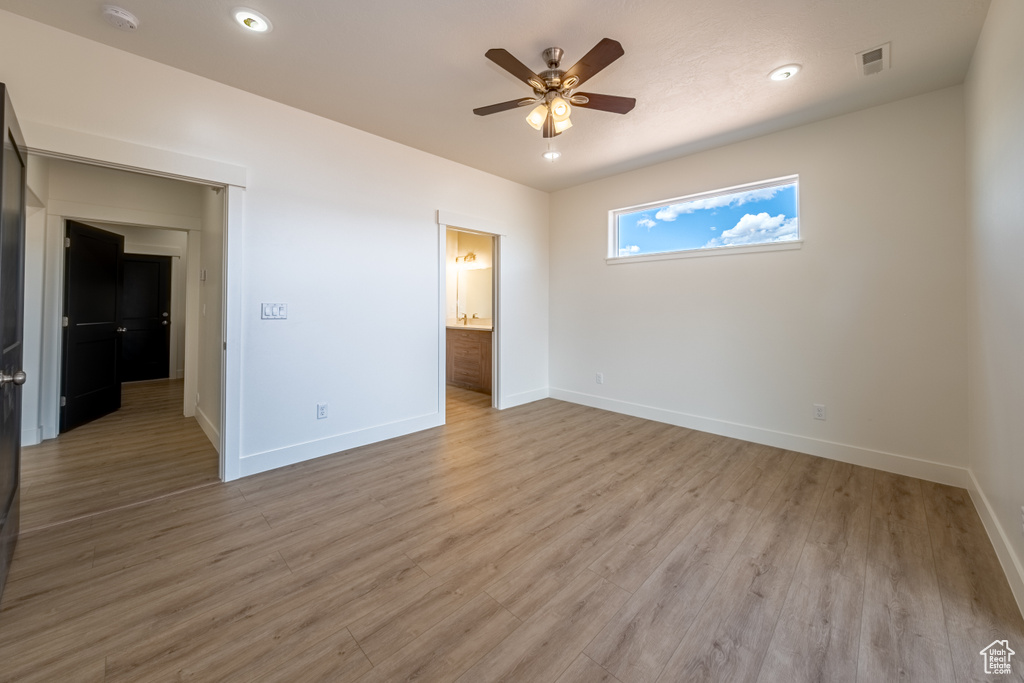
[
  {"x": 123, "y": 314},
  {"x": 470, "y": 319},
  {"x": 164, "y": 438}
]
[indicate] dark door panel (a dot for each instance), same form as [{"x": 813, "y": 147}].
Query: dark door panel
[
  {"x": 93, "y": 273},
  {"x": 145, "y": 315},
  {"x": 12, "y": 265}
]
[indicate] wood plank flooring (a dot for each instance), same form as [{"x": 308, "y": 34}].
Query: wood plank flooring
[
  {"x": 545, "y": 543},
  {"x": 144, "y": 450}
]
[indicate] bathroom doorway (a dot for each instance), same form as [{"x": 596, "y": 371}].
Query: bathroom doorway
[{"x": 469, "y": 310}]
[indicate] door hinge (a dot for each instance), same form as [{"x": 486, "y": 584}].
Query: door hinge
[
  {"x": 64, "y": 321},
  {"x": 225, "y": 346},
  {"x": 67, "y": 241},
  {"x": 63, "y": 401}
]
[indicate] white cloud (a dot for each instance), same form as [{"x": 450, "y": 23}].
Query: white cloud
[
  {"x": 757, "y": 229},
  {"x": 670, "y": 213},
  {"x": 646, "y": 223},
  {"x": 714, "y": 228},
  {"x": 631, "y": 249}
]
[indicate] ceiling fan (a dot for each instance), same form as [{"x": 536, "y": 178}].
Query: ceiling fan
[{"x": 554, "y": 89}]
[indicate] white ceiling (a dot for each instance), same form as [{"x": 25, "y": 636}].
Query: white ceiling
[{"x": 412, "y": 71}]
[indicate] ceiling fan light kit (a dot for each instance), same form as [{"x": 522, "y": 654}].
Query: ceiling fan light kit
[{"x": 554, "y": 88}]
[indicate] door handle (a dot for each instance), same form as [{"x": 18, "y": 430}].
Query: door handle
[
  {"x": 164, "y": 322},
  {"x": 17, "y": 378},
  {"x": 122, "y": 330}
]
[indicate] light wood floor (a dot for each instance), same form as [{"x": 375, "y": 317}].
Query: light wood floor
[
  {"x": 549, "y": 542},
  {"x": 143, "y": 451}
]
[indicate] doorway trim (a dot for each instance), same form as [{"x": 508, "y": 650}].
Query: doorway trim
[
  {"x": 58, "y": 143},
  {"x": 455, "y": 221}
]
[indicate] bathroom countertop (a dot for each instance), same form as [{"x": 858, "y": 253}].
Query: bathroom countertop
[{"x": 474, "y": 324}]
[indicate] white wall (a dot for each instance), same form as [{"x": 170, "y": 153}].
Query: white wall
[
  {"x": 995, "y": 135},
  {"x": 158, "y": 201},
  {"x": 38, "y": 182},
  {"x": 451, "y": 274},
  {"x": 323, "y": 205},
  {"x": 868, "y": 318},
  {"x": 211, "y": 292}
]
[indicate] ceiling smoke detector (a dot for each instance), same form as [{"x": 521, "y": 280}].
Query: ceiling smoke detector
[{"x": 118, "y": 17}]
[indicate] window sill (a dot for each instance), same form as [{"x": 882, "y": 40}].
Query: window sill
[{"x": 716, "y": 251}]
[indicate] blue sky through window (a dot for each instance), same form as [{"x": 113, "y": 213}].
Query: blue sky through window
[{"x": 756, "y": 216}]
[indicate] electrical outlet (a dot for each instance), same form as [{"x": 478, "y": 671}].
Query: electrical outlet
[
  {"x": 819, "y": 411},
  {"x": 321, "y": 411},
  {"x": 599, "y": 378}
]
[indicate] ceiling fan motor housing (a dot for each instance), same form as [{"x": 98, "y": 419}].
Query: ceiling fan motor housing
[
  {"x": 552, "y": 57},
  {"x": 553, "y": 76}
]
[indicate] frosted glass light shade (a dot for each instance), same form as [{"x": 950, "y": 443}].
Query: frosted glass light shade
[
  {"x": 560, "y": 109},
  {"x": 537, "y": 116}
]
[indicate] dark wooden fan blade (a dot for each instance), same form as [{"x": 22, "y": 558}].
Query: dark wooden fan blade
[
  {"x": 502, "y": 106},
  {"x": 612, "y": 103},
  {"x": 600, "y": 56},
  {"x": 506, "y": 61}
]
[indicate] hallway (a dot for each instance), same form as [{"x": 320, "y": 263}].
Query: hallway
[{"x": 145, "y": 450}]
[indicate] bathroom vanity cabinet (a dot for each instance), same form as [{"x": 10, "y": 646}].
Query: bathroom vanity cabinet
[{"x": 469, "y": 359}]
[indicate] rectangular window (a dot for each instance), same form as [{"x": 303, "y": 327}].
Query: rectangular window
[{"x": 746, "y": 218}]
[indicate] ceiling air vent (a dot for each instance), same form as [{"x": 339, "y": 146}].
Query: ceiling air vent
[{"x": 873, "y": 61}]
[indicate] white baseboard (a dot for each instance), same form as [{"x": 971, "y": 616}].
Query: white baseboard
[
  {"x": 522, "y": 398},
  {"x": 1012, "y": 566},
  {"x": 211, "y": 430},
  {"x": 31, "y": 437},
  {"x": 880, "y": 460},
  {"x": 289, "y": 455}
]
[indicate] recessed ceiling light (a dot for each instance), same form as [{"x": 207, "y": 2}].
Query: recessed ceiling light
[
  {"x": 784, "y": 73},
  {"x": 252, "y": 20},
  {"x": 118, "y": 17},
  {"x": 551, "y": 154}
]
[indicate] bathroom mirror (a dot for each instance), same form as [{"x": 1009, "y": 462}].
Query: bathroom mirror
[{"x": 474, "y": 293}]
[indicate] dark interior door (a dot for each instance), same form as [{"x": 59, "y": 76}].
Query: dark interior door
[
  {"x": 146, "y": 317},
  {"x": 12, "y": 265},
  {"x": 93, "y": 272}
]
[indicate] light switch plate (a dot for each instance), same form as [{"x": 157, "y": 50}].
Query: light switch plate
[{"x": 274, "y": 311}]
